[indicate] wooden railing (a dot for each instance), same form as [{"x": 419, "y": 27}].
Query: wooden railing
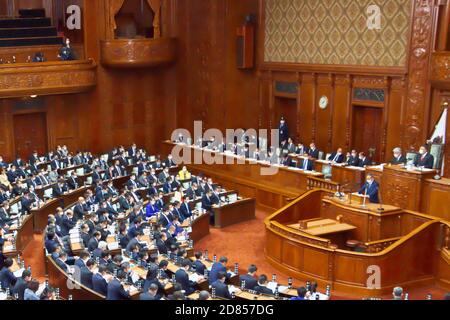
[
  {"x": 319, "y": 183},
  {"x": 380, "y": 245}
]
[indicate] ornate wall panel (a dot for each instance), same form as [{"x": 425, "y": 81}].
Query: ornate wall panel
[{"x": 336, "y": 32}]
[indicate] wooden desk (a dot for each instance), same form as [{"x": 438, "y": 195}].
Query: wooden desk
[
  {"x": 24, "y": 232},
  {"x": 244, "y": 295},
  {"x": 40, "y": 215},
  {"x": 403, "y": 188},
  {"x": 435, "y": 193},
  {"x": 233, "y": 213},
  {"x": 200, "y": 227}
]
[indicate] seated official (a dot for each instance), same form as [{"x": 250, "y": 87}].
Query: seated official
[
  {"x": 203, "y": 295},
  {"x": 363, "y": 160},
  {"x": 249, "y": 278},
  {"x": 424, "y": 159},
  {"x": 337, "y": 157},
  {"x": 30, "y": 291},
  {"x": 398, "y": 157},
  {"x": 370, "y": 188},
  {"x": 182, "y": 277},
  {"x": 262, "y": 285},
  {"x": 150, "y": 294},
  {"x": 220, "y": 287},
  {"x": 353, "y": 159},
  {"x": 86, "y": 273},
  {"x": 313, "y": 151},
  {"x": 307, "y": 164},
  {"x": 216, "y": 268},
  {"x": 117, "y": 287},
  {"x": 198, "y": 264},
  {"x": 100, "y": 280},
  {"x": 184, "y": 174},
  {"x": 7, "y": 277},
  {"x": 22, "y": 284}
]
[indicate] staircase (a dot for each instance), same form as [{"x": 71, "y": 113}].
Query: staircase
[{"x": 32, "y": 28}]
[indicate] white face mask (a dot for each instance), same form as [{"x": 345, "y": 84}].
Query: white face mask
[{"x": 422, "y": 152}]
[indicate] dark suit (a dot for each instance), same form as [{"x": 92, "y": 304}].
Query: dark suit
[
  {"x": 250, "y": 282},
  {"x": 314, "y": 153},
  {"x": 426, "y": 161},
  {"x": 364, "y": 163},
  {"x": 353, "y": 161},
  {"x": 263, "y": 290},
  {"x": 207, "y": 203},
  {"x": 284, "y": 132},
  {"x": 215, "y": 269},
  {"x": 221, "y": 289},
  {"x": 116, "y": 292},
  {"x": 72, "y": 182},
  {"x": 86, "y": 277},
  {"x": 372, "y": 191},
  {"x": 185, "y": 210},
  {"x": 307, "y": 164},
  {"x": 66, "y": 225},
  {"x": 182, "y": 278},
  {"x": 336, "y": 158},
  {"x": 199, "y": 267},
  {"x": 401, "y": 160},
  {"x": 99, "y": 284},
  {"x": 93, "y": 244},
  {"x": 19, "y": 288},
  {"x": 7, "y": 278}
]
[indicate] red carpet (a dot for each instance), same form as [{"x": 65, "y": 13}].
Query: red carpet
[{"x": 244, "y": 243}]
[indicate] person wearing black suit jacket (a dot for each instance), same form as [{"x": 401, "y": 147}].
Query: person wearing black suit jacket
[
  {"x": 424, "y": 159},
  {"x": 216, "y": 268},
  {"x": 313, "y": 151},
  {"x": 198, "y": 264},
  {"x": 161, "y": 243},
  {"x": 99, "y": 283},
  {"x": 337, "y": 157},
  {"x": 80, "y": 208},
  {"x": 301, "y": 149},
  {"x": 363, "y": 160},
  {"x": 307, "y": 164},
  {"x": 67, "y": 222},
  {"x": 283, "y": 130},
  {"x": 27, "y": 203},
  {"x": 353, "y": 159},
  {"x": 7, "y": 277},
  {"x": 220, "y": 287},
  {"x": 18, "y": 162},
  {"x": 185, "y": 209},
  {"x": 168, "y": 163},
  {"x": 262, "y": 285},
  {"x": 165, "y": 219},
  {"x": 61, "y": 260},
  {"x": 117, "y": 290},
  {"x": 86, "y": 274},
  {"x": 84, "y": 234},
  {"x": 72, "y": 181},
  {"x": 182, "y": 277},
  {"x": 59, "y": 189},
  {"x": 11, "y": 174},
  {"x": 93, "y": 242},
  {"x": 249, "y": 278},
  {"x": 151, "y": 293},
  {"x": 370, "y": 188},
  {"x": 398, "y": 158},
  {"x": 21, "y": 284}
]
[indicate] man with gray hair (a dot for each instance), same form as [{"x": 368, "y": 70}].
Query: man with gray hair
[
  {"x": 203, "y": 295},
  {"x": 398, "y": 157},
  {"x": 397, "y": 293},
  {"x": 152, "y": 293}
]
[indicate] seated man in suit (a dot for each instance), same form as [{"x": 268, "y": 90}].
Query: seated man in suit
[
  {"x": 353, "y": 159},
  {"x": 363, "y": 160},
  {"x": 198, "y": 264},
  {"x": 100, "y": 280},
  {"x": 262, "y": 285},
  {"x": 72, "y": 181},
  {"x": 59, "y": 189},
  {"x": 185, "y": 209},
  {"x": 370, "y": 188},
  {"x": 220, "y": 287},
  {"x": 117, "y": 288},
  {"x": 424, "y": 159},
  {"x": 67, "y": 222},
  {"x": 398, "y": 157},
  {"x": 249, "y": 278},
  {"x": 151, "y": 294},
  {"x": 86, "y": 273},
  {"x": 216, "y": 268},
  {"x": 7, "y": 277},
  {"x": 337, "y": 157},
  {"x": 313, "y": 151},
  {"x": 182, "y": 277},
  {"x": 307, "y": 164}
]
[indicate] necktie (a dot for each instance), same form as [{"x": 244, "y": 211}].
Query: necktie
[
  {"x": 336, "y": 158},
  {"x": 305, "y": 165}
]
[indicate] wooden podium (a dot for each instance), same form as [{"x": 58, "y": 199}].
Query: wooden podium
[{"x": 403, "y": 188}]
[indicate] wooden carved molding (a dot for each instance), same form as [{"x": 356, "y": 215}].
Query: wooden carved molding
[
  {"x": 137, "y": 53},
  {"x": 47, "y": 78},
  {"x": 421, "y": 42},
  {"x": 440, "y": 69}
]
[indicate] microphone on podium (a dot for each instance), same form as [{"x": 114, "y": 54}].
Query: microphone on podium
[{"x": 380, "y": 208}]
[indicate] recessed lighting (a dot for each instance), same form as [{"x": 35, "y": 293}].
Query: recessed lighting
[{"x": 33, "y": 96}]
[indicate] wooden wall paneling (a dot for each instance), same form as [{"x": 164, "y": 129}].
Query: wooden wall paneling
[
  {"x": 307, "y": 108},
  {"x": 395, "y": 116},
  {"x": 325, "y": 84},
  {"x": 340, "y": 121}
]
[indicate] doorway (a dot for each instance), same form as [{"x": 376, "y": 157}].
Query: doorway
[
  {"x": 287, "y": 108},
  {"x": 30, "y": 133},
  {"x": 367, "y": 131}
]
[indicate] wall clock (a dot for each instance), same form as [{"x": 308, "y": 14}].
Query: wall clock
[{"x": 323, "y": 102}]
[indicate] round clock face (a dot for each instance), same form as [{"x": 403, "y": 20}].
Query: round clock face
[{"x": 323, "y": 102}]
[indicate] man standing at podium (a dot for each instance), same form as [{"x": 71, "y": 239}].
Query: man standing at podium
[{"x": 370, "y": 188}]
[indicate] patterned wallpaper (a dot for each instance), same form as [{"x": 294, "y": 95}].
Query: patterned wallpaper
[{"x": 336, "y": 32}]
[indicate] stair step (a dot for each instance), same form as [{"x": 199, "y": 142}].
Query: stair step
[
  {"x": 28, "y": 32},
  {"x": 25, "y": 23},
  {"x": 39, "y": 41},
  {"x": 32, "y": 13}
]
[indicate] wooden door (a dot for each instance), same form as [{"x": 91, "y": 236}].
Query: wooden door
[
  {"x": 367, "y": 130},
  {"x": 287, "y": 108},
  {"x": 30, "y": 133}
]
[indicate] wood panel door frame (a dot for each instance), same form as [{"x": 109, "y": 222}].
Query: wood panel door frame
[
  {"x": 381, "y": 152},
  {"x": 26, "y": 112}
]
